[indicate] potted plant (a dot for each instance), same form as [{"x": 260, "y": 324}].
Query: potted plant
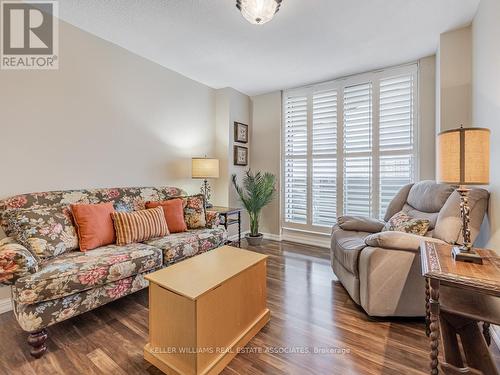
[{"x": 258, "y": 190}]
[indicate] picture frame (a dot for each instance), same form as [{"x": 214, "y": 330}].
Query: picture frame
[
  {"x": 240, "y": 156},
  {"x": 240, "y": 132}
]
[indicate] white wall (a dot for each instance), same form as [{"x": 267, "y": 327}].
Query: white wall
[
  {"x": 486, "y": 101},
  {"x": 265, "y": 149},
  {"x": 455, "y": 79}
]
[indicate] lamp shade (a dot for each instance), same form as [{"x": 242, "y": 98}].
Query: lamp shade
[
  {"x": 205, "y": 168},
  {"x": 463, "y": 156}
]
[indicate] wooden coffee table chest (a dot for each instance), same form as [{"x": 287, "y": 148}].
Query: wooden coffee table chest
[{"x": 203, "y": 309}]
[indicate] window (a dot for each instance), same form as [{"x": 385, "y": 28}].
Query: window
[{"x": 349, "y": 146}]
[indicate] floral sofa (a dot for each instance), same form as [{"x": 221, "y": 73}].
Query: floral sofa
[{"x": 48, "y": 288}]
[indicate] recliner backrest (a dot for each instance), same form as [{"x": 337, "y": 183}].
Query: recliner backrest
[{"x": 440, "y": 204}]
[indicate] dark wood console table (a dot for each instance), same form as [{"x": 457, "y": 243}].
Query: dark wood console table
[
  {"x": 229, "y": 216},
  {"x": 459, "y": 295}
]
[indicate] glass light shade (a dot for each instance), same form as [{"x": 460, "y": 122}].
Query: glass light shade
[
  {"x": 258, "y": 12},
  {"x": 463, "y": 156},
  {"x": 205, "y": 168}
]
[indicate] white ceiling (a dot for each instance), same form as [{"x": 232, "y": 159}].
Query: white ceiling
[{"x": 308, "y": 41}]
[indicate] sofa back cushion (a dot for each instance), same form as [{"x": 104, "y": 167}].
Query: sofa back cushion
[
  {"x": 139, "y": 226},
  {"x": 124, "y": 199},
  {"x": 47, "y": 232}
]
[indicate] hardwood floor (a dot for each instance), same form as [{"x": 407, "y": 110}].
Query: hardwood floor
[{"x": 310, "y": 311}]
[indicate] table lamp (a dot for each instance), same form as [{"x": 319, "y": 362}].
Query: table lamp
[
  {"x": 463, "y": 159},
  {"x": 205, "y": 168}
]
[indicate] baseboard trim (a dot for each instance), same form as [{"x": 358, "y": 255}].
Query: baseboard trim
[
  {"x": 272, "y": 237},
  {"x": 267, "y": 236},
  {"x": 320, "y": 240},
  {"x": 5, "y": 305},
  {"x": 315, "y": 239},
  {"x": 234, "y": 237}
]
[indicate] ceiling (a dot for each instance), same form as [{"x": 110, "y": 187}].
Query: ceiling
[{"x": 308, "y": 41}]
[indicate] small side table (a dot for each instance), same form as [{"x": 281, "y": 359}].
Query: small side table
[
  {"x": 459, "y": 295},
  {"x": 230, "y": 216}
]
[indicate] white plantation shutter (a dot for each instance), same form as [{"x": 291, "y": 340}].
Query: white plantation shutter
[
  {"x": 396, "y": 124},
  {"x": 295, "y": 165},
  {"x": 324, "y": 158},
  {"x": 348, "y": 147},
  {"x": 357, "y": 149}
]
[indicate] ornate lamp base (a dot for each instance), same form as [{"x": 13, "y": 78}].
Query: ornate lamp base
[
  {"x": 463, "y": 255},
  {"x": 206, "y": 190}
]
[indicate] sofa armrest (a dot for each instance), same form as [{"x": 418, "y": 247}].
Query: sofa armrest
[
  {"x": 398, "y": 240},
  {"x": 360, "y": 224},
  {"x": 15, "y": 261},
  {"x": 213, "y": 219}
]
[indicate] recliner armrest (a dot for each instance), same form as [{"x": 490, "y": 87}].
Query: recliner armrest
[
  {"x": 15, "y": 261},
  {"x": 360, "y": 224},
  {"x": 398, "y": 240}
]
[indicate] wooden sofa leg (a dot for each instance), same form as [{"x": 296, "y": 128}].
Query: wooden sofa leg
[{"x": 37, "y": 341}]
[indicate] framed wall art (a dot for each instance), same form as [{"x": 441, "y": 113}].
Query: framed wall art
[
  {"x": 240, "y": 132},
  {"x": 240, "y": 155}
]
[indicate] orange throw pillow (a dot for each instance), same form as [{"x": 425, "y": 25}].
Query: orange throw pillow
[
  {"x": 94, "y": 224},
  {"x": 174, "y": 213}
]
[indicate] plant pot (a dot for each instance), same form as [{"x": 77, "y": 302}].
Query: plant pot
[{"x": 254, "y": 240}]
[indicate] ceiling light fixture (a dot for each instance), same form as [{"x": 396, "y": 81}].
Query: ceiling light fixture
[{"x": 258, "y": 12}]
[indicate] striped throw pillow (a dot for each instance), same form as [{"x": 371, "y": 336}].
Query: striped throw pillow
[{"x": 139, "y": 226}]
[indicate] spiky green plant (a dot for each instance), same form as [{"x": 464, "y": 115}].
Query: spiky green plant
[{"x": 257, "y": 191}]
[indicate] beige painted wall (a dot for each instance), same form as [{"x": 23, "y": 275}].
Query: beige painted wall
[
  {"x": 231, "y": 106},
  {"x": 486, "y": 102},
  {"x": 455, "y": 79},
  {"x": 265, "y": 149},
  {"x": 106, "y": 118}
]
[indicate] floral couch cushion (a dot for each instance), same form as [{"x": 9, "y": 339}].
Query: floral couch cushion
[
  {"x": 178, "y": 246},
  {"x": 43, "y": 314},
  {"x": 124, "y": 199},
  {"x": 75, "y": 272},
  {"x": 47, "y": 232}
]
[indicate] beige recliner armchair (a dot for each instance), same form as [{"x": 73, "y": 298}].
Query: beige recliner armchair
[{"x": 381, "y": 270}]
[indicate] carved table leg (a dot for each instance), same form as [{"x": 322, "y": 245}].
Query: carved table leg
[
  {"x": 37, "y": 342},
  {"x": 427, "y": 308},
  {"x": 434, "y": 325},
  {"x": 486, "y": 333}
]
